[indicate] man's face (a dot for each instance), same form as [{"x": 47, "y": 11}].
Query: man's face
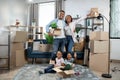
[{"x": 61, "y": 15}]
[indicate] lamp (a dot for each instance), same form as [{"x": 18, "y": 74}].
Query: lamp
[{"x": 108, "y": 75}]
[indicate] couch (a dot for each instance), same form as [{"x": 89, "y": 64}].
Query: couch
[{"x": 33, "y": 54}]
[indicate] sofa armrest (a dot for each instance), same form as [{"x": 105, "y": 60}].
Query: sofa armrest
[{"x": 29, "y": 50}]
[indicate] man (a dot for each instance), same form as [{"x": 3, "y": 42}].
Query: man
[{"x": 59, "y": 41}]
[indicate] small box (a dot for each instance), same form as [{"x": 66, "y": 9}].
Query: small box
[
  {"x": 63, "y": 74},
  {"x": 57, "y": 32},
  {"x": 94, "y": 12},
  {"x": 20, "y": 58},
  {"x": 21, "y": 36},
  {"x": 99, "y": 62},
  {"x": 99, "y": 46},
  {"x": 66, "y": 73},
  {"x": 99, "y": 35}
]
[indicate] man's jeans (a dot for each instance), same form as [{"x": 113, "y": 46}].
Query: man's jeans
[
  {"x": 69, "y": 44},
  {"x": 58, "y": 45}
]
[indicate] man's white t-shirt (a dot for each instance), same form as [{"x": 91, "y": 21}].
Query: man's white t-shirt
[{"x": 61, "y": 26}]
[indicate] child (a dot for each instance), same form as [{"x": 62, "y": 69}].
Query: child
[
  {"x": 59, "y": 61},
  {"x": 70, "y": 60}
]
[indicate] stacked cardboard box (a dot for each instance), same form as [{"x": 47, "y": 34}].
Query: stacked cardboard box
[
  {"x": 17, "y": 49},
  {"x": 99, "y": 51}
]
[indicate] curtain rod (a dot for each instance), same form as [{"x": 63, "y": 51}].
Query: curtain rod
[{"x": 43, "y": 2}]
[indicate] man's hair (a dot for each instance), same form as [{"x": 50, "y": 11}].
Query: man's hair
[{"x": 62, "y": 11}]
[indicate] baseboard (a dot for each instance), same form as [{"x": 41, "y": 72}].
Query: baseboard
[{"x": 113, "y": 60}]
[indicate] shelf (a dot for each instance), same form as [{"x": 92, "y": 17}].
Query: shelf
[
  {"x": 91, "y": 17},
  {"x": 32, "y": 34},
  {"x": 84, "y": 28},
  {"x": 17, "y": 26},
  {"x": 4, "y": 68},
  {"x": 3, "y": 58},
  {"x": 97, "y": 23},
  {"x": 8, "y": 54},
  {"x": 35, "y": 27},
  {"x": 38, "y": 32},
  {"x": 4, "y": 45}
]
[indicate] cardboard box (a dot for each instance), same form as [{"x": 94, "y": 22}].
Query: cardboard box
[
  {"x": 20, "y": 58},
  {"x": 79, "y": 46},
  {"x": 99, "y": 35},
  {"x": 99, "y": 46},
  {"x": 99, "y": 62},
  {"x": 14, "y": 47},
  {"x": 93, "y": 13},
  {"x": 57, "y": 32},
  {"x": 63, "y": 74},
  {"x": 21, "y": 36}
]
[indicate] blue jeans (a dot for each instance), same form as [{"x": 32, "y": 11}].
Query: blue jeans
[
  {"x": 69, "y": 44},
  {"x": 58, "y": 44},
  {"x": 49, "y": 69}
]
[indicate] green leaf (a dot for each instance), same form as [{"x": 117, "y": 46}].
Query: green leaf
[
  {"x": 77, "y": 29},
  {"x": 49, "y": 38},
  {"x": 53, "y": 25}
]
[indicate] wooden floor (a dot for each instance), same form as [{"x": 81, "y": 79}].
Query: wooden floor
[{"x": 8, "y": 75}]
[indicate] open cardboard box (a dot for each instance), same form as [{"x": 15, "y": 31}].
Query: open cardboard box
[
  {"x": 65, "y": 73},
  {"x": 57, "y": 32}
]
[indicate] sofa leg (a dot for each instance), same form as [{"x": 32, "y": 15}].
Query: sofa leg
[
  {"x": 32, "y": 60},
  {"x": 35, "y": 60}
]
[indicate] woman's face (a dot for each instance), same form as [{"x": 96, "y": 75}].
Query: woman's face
[{"x": 68, "y": 19}]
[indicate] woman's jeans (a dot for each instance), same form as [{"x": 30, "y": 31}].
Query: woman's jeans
[
  {"x": 69, "y": 44},
  {"x": 58, "y": 45}
]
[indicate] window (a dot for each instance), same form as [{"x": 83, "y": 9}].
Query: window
[
  {"x": 115, "y": 19},
  {"x": 46, "y": 14}
]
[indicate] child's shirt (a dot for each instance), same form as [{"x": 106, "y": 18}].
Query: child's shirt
[
  {"x": 59, "y": 61},
  {"x": 69, "y": 61}
]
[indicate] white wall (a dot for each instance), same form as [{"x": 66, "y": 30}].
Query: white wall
[
  {"x": 115, "y": 49},
  {"x": 10, "y": 10},
  {"x": 82, "y": 8}
]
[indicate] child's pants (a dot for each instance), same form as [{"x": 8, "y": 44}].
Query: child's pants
[{"x": 49, "y": 69}]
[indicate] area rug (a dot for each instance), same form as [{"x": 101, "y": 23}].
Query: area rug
[{"x": 31, "y": 72}]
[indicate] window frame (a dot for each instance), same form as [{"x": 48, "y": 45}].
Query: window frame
[{"x": 110, "y": 35}]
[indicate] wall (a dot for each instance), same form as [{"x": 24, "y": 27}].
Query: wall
[
  {"x": 10, "y": 10},
  {"x": 82, "y": 8},
  {"x": 115, "y": 49}
]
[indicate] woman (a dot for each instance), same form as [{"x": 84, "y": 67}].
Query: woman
[{"x": 69, "y": 32}]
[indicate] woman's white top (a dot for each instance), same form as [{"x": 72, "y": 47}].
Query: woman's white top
[{"x": 69, "y": 29}]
